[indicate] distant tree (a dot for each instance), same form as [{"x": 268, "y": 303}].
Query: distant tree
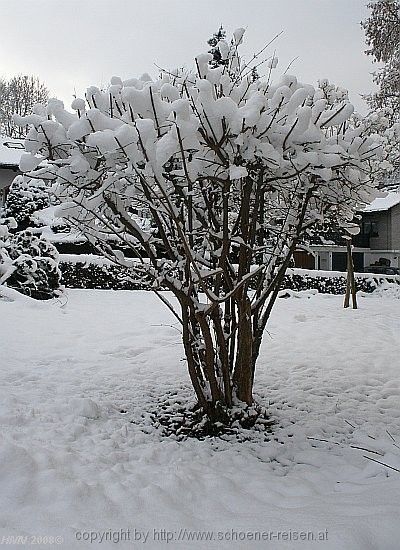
[
  {"x": 220, "y": 51},
  {"x": 254, "y": 74},
  {"x": 18, "y": 95},
  {"x": 382, "y": 33},
  {"x": 218, "y": 57}
]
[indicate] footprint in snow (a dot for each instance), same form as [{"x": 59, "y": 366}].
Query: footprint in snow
[
  {"x": 126, "y": 351},
  {"x": 300, "y": 317}
]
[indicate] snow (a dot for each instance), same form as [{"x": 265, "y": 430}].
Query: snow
[
  {"x": 78, "y": 104},
  {"x": 237, "y": 172},
  {"x": 330, "y": 274},
  {"x": 28, "y": 162},
  {"x": 223, "y": 47},
  {"x": 85, "y": 258},
  {"x": 238, "y": 35},
  {"x": 49, "y": 217},
  {"x": 80, "y": 377},
  {"x": 11, "y": 151},
  {"x": 85, "y": 407},
  {"x": 272, "y": 63},
  {"x": 383, "y": 203}
]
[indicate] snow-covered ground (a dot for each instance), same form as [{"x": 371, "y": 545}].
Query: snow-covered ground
[{"x": 72, "y": 465}]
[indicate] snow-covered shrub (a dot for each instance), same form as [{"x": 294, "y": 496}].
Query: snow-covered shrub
[
  {"x": 231, "y": 171},
  {"x": 28, "y": 264},
  {"x": 25, "y": 197}
]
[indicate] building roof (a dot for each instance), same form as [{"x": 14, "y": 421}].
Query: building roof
[
  {"x": 11, "y": 151},
  {"x": 384, "y": 203}
]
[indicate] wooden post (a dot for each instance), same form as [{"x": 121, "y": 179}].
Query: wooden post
[{"x": 350, "y": 281}]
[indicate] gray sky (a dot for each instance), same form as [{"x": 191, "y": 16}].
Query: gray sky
[{"x": 72, "y": 44}]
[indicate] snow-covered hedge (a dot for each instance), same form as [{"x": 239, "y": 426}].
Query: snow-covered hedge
[
  {"x": 331, "y": 283},
  {"x": 94, "y": 272}
]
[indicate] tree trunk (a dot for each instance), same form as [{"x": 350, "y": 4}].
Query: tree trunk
[
  {"x": 244, "y": 367},
  {"x": 218, "y": 374}
]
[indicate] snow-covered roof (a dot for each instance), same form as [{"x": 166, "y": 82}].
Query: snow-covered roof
[
  {"x": 384, "y": 203},
  {"x": 10, "y": 151}
]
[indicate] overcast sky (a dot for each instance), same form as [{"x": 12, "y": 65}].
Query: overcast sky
[{"x": 72, "y": 44}]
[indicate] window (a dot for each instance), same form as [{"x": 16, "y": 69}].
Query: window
[
  {"x": 13, "y": 145},
  {"x": 370, "y": 228}
]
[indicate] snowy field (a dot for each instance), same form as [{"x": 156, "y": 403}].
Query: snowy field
[{"x": 72, "y": 465}]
